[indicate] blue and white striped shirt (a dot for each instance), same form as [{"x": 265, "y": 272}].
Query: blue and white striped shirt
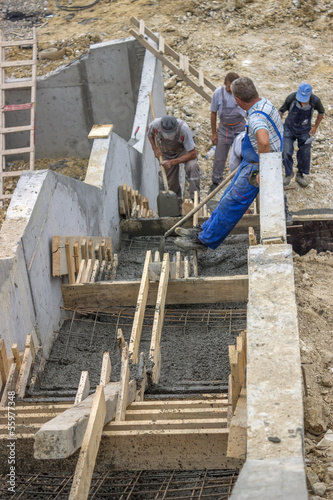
[{"x": 259, "y": 121}]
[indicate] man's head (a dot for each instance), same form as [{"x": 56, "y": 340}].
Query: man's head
[
  {"x": 304, "y": 93},
  {"x": 169, "y": 125},
  {"x": 230, "y": 77},
  {"x": 244, "y": 92}
]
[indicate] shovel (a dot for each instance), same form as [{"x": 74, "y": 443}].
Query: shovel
[
  {"x": 193, "y": 211},
  {"x": 167, "y": 201}
]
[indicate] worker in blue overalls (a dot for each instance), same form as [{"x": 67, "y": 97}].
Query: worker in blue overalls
[
  {"x": 264, "y": 135},
  {"x": 297, "y": 126}
]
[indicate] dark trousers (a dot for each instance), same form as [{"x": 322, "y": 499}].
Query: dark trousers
[{"x": 303, "y": 154}]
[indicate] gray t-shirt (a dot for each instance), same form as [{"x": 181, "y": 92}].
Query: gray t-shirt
[
  {"x": 217, "y": 103},
  {"x": 185, "y": 136}
]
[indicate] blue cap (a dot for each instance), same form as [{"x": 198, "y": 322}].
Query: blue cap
[{"x": 304, "y": 92}]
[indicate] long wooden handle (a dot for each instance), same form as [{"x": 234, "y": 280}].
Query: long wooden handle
[
  {"x": 201, "y": 204},
  {"x": 164, "y": 176}
]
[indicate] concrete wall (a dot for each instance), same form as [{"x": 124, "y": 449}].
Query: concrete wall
[
  {"x": 45, "y": 204},
  {"x": 100, "y": 88},
  {"x": 274, "y": 466}
]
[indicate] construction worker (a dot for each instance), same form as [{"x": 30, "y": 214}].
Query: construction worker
[
  {"x": 232, "y": 122},
  {"x": 297, "y": 126},
  {"x": 172, "y": 139},
  {"x": 264, "y": 135}
]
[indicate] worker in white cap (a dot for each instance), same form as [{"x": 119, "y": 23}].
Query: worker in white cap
[
  {"x": 297, "y": 126},
  {"x": 171, "y": 138}
]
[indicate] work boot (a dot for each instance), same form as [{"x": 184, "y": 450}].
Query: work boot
[
  {"x": 212, "y": 187},
  {"x": 289, "y": 219},
  {"x": 301, "y": 180},
  {"x": 287, "y": 179},
  {"x": 187, "y": 232},
  {"x": 192, "y": 243}
]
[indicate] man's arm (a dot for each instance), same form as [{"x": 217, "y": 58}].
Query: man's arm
[
  {"x": 157, "y": 151},
  {"x": 262, "y": 137},
  {"x": 191, "y": 155},
  {"x": 213, "y": 115},
  {"x": 316, "y": 125}
]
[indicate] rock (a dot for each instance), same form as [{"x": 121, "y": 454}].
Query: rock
[
  {"x": 169, "y": 84},
  {"x": 315, "y": 415},
  {"x": 319, "y": 489},
  {"x": 327, "y": 443},
  {"x": 328, "y": 477}
]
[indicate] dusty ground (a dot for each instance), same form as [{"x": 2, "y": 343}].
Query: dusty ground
[{"x": 278, "y": 43}]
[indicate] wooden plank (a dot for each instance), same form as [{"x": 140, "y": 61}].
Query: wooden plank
[
  {"x": 252, "y": 237},
  {"x": 237, "y": 441},
  {"x": 69, "y": 260},
  {"x": 178, "y": 266},
  {"x": 121, "y": 201},
  {"x": 196, "y": 202},
  {"x": 10, "y": 387},
  {"x": 229, "y": 400},
  {"x": 114, "y": 267},
  {"x": 3, "y": 362},
  {"x": 106, "y": 370},
  {"x": 87, "y": 458},
  {"x": 100, "y": 131},
  {"x": 103, "y": 249},
  {"x": 77, "y": 260},
  {"x": 195, "y": 263},
  {"x": 84, "y": 249},
  {"x": 155, "y": 348},
  {"x": 24, "y": 373},
  {"x": 186, "y": 267},
  {"x": 91, "y": 254},
  {"x": 168, "y": 413},
  {"x": 123, "y": 293},
  {"x": 83, "y": 389},
  {"x": 241, "y": 365},
  {"x": 170, "y": 65},
  {"x": 17, "y": 356},
  {"x": 88, "y": 272},
  {"x": 120, "y": 339},
  {"x": 234, "y": 360},
  {"x": 158, "y": 227},
  {"x": 167, "y": 425},
  {"x": 63, "y": 435},
  {"x": 139, "y": 312},
  {"x": 81, "y": 272},
  {"x": 124, "y": 380},
  {"x": 95, "y": 272},
  {"x": 142, "y": 378}
]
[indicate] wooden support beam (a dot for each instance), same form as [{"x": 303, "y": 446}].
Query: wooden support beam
[
  {"x": 125, "y": 293},
  {"x": 63, "y": 435},
  {"x": 124, "y": 380},
  {"x": 195, "y": 263},
  {"x": 142, "y": 378},
  {"x": 10, "y": 385},
  {"x": 84, "y": 249},
  {"x": 237, "y": 441},
  {"x": 69, "y": 260},
  {"x": 87, "y": 458},
  {"x": 178, "y": 265},
  {"x": 186, "y": 267},
  {"x": 161, "y": 45},
  {"x": 252, "y": 237},
  {"x": 95, "y": 271},
  {"x": 120, "y": 339},
  {"x": 235, "y": 388},
  {"x": 196, "y": 202},
  {"x": 155, "y": 347},
  {"x": 3, "y": 362},
  {"x": 17, "y": 356},
  {"x": 114, "y": 267},
  {"x": 241, "y": 364},
  {"x": 88, "y": 271},
  {"x": 28, "y": 359},
  {"x": 82, "y": 271},
  {"x": 83, "y": 389},
  {"x": 106, "y": 370},
  {"x": 77, "y": 260},
  {"x": 140, "y": 311}
]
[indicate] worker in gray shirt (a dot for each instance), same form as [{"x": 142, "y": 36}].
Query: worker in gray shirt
[
  {"x": 232, "y": 122},
  {"x": 297, "y": 126}
]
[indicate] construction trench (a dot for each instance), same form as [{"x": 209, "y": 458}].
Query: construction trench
[{"x": 195, "y": 357}]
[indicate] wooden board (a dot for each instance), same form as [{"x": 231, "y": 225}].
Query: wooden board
[
  {"x": 59, "y": 265},
  {"x": 124, "y": 380},
  {"x": 124, "y": 293},
  {"x": 237, "y": 442},
  {"x": 83, "y": 389},
  {"x": 100, "y": 131},
  {"x": 87, "y": 458}
]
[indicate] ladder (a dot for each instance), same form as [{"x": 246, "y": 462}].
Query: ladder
[{"x": 19, "y": 108}]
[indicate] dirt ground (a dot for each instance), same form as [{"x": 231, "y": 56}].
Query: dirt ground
[{"x": 278, "y": 43}]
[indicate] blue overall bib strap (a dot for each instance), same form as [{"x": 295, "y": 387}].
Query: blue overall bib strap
[{"x": 272, "y": 123}]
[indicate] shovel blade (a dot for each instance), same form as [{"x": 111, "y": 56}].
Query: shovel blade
[{"x": 167, "y": 204}]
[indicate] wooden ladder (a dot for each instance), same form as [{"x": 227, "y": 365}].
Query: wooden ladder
[{"x": 26, "y": 83}]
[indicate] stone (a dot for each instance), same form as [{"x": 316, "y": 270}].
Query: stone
[
  {"x": 315, "y": 415},
  {"x": 327, "y": 443},
  {"x": 319, "y": 489}
]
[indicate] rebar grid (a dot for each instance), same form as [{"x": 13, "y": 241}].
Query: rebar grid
[
  {"x": 136, "y": 485},
  {"x": 123, "y": 317}
]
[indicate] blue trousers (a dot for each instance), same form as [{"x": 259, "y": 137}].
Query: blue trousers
[
  {"x": 234, "y": 202},
  {"x": 303, "y": 154}
]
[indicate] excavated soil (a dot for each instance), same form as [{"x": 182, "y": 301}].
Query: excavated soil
[{"x": 278, "y": 43}]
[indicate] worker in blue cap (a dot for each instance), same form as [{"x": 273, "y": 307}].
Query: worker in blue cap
[{"x": 297, "y": 126}]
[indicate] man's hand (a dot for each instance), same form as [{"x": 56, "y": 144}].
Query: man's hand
[
  {"x": 157, "y": 153},
  {"x": 313, "y": 131},
  {"x": 167, "y": 163},
  {"x": 214, "y": 139}
]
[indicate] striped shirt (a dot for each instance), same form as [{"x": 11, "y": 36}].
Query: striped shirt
[{"x": 259, "y": 121}]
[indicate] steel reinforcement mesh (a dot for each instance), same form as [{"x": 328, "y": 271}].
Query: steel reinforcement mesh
[{"x": 143, "y": 485}]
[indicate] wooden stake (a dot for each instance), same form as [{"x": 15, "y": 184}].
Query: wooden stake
[
  {"x": 81, "y": 272},
  {"x": 124, "y": 380},
  {"x": 186, "y": 267},
  {"x": 70, "y": 264},
  {"x": 106, "y": 370},
  {"x": 196, "y": 215},
  {"x": 77, "y": 256},
  {"x": 84, "y": 249},
  {"x": 120, "y": 339},
  {"x": 10, "y": 384},
  {"x": 178, "y": 266},
  {"x": 3, "y": 362},
  {"x": 140, "y": 311},
  {"x": 140, "y": 394},
  {"x": 17, "y": 356},
  {"x": 83, "y": 389},
  {"x": 233, "y": 358},
  {"x": 87, "y": 458}
]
